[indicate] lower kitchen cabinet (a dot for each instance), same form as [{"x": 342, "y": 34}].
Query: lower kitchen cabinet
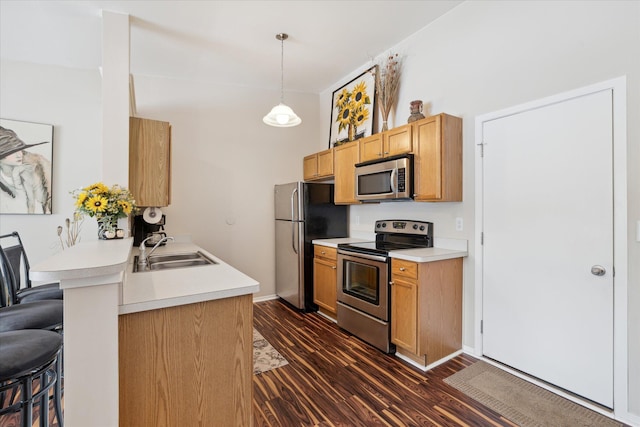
[
  {"x": 188, "y": 365},
  {"x": 324, "y": 278},
  {"x": 426, "y": 308}
]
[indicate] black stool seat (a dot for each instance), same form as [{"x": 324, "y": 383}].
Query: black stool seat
[
  {"x": 31, "y": 315},
  {"x": 29, "y": 369},
  {"x": 25, "y": 350},
  {"x": 38, "y": 293}
]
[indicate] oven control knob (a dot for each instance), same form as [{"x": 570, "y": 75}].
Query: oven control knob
[
  {"x": 422, "y": 228},
  {"x": 384, "y": 225},
  {"x": 378, "y": 225},
  {"x": 415, "y": 226}
]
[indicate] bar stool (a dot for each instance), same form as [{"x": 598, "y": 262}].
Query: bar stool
[
  {"x": 19, "y": 263},
  {"x": 46, "y": 315},
  {"x": 29, "y": 355}
]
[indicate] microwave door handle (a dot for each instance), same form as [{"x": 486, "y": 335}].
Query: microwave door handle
[{"x": 394, "y": 178}]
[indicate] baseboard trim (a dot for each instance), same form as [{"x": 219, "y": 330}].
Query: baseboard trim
[
  {"x": 431, "y": 365},
  {"x": 265, "y": 298}
]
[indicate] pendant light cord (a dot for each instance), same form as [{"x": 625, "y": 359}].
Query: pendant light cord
[{"x": 282, "y": 70}]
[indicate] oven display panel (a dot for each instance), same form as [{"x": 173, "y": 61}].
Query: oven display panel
[{"x": 399, "y": 225}]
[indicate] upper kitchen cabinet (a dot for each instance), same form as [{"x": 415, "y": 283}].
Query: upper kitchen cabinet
[
  {"x": 318, "y": 165},
  {"x": 386, "y": 144},
  {"x": 437, "y": 145},
  {"x": 150, "y": 161},
  {"x": 345, "y": 157}
]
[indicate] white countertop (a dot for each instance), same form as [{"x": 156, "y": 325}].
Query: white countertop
[
  {"x": 427, "y": 254},
  {"x": 99, "y": 262},
  {"x": 151, "y": 290},
  {"x": 445, "y": 249},
  {"x": 86, "y": 259}
]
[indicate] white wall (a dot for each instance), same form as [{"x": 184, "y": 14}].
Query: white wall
[
  {"x": 70, "y": 100},
  {"x": 225, "y": 162},
  {"x": 483, "y": 56}
]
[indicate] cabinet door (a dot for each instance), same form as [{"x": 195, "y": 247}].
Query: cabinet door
[
  {"x": 404, "y": 317},
  {"x": 397, "y": 141},
  {"x": 310, "y": 167},
  {"x": 371, "y": 147},
  {"x": 325, "y": 163},
  {"x": 438, "y": 158},
  {"x": 345, "y": 158},
  {"x": 324, "y": 284},
  {"x": 428, "y": 164},
  {"x": 150, "y": 161}
]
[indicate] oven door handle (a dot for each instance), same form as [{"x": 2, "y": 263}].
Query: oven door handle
[{"x": 365, "y": 256}]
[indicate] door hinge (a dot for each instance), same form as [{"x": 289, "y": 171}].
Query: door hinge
[
  {"x": 482, "y": 237},
  {"x": 481, "y": 149},
  {"x": 482, "y": 326}
]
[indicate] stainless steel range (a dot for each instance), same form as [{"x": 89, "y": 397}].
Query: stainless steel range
[{"x": 363, "y": 278}]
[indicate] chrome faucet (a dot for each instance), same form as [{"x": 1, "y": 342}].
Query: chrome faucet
[{"x": 144, "y": 257}]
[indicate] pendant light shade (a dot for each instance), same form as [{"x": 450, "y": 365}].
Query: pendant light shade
[{"x": 281, "y": 115}]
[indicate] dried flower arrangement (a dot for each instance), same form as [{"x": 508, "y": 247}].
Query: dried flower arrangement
[
  {"x": 387, "y": 81},
  {"x": 72, "y": 235}
]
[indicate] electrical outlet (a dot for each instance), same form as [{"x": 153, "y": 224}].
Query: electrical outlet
[{"x": 458, "y": 224}]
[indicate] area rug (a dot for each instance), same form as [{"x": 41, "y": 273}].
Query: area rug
[
  {"x": 265, "y": 357},
  {"x": 521, "y": 401}
]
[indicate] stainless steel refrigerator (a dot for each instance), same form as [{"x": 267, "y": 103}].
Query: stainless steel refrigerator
[{"x": 303, "y": 212}]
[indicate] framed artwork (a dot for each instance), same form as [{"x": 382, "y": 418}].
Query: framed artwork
[
  {"x": 26, "y": 154},
  {"x": 352, "y": 109}
]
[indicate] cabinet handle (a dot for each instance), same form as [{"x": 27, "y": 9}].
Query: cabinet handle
[
  {"x": 391, "y": 283},
  {"x": 401, "y": 268},
  {"x": 323, "y": 252},
  {"x": 379, "y": 154},
  {"x": 333, "y": 267},
  {"x": 386, "y": 152}
]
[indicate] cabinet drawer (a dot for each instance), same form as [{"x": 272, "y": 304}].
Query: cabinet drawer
[
  {"x": 325, "y": 252},
  {"x": 404, "y": 268}
]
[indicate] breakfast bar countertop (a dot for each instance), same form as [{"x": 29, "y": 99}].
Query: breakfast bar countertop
[{"x": 151, "y": 290}]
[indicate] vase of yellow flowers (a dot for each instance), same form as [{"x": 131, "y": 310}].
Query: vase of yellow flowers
[{"x": 106, "y": 205}]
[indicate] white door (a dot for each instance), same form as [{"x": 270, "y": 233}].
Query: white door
[{"x": 548, "y": 231}]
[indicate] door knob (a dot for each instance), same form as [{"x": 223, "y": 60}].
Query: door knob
[{"x": 598, "y": 270}]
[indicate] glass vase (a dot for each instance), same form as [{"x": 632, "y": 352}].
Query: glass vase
[{"x": 107, "y": 228}]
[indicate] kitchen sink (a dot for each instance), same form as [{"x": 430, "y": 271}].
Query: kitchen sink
[{"x": 171, "y": 261}]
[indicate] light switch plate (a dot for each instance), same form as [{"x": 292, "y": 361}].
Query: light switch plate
[{"x": 458, "y": 224}]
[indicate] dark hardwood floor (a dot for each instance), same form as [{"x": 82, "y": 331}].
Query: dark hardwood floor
[{"x": 334, "y": 379}]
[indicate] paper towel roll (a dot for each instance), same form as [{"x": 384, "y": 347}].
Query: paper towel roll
[{"x": 152, "y": 215}]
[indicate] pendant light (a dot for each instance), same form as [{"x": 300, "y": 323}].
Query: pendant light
[{"x": 281, "y": 115}]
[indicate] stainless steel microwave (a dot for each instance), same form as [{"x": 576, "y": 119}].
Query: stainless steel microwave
[{"x": 385, "y": 180}]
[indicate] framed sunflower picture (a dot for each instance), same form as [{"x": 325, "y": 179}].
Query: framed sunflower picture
[{"x": 352, "y": 109}]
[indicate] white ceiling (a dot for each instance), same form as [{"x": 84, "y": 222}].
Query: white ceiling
[{"x": 232, "y": 42}]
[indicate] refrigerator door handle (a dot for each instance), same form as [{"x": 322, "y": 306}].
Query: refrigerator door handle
[
  {"x": 293, "y": 236},
  {"x": 293, "y": 211}
]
